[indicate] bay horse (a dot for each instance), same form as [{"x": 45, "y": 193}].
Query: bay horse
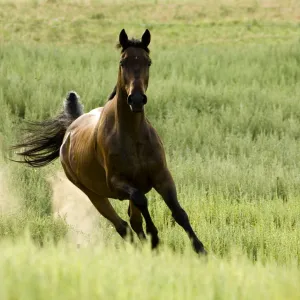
[{"x": 113, "y": 151}]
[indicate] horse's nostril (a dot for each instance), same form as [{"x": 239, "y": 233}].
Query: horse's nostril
[
  {"x": 129, "y": 100},
  {"x": 144, "y": 99},
  {"x": 137, "y": 99}
]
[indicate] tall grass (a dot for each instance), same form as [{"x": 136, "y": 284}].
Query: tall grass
[
  {"x": 64, "y": 272},
  {"x": 230, "y": 129},
  {"x": 230, "y": 125}
]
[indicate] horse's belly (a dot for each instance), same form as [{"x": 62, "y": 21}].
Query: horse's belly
[{"x": 79, "y": 161}]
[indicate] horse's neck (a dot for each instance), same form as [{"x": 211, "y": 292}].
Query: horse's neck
[{"x": 128, "y": 122}]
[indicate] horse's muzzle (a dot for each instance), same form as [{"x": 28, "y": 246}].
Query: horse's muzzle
[{"x": 137, "y": 101}]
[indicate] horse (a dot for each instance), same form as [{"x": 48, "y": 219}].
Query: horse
[{"x": 113, "y": 151}]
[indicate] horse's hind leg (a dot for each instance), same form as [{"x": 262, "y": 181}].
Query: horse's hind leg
[
  {"x": 102, "y": 204},
  {"x": 136, "y": 220},
  {"x": 107, "y": 211}
]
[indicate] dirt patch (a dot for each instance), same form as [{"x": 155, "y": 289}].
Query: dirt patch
[{"x": 77, "y": 210}]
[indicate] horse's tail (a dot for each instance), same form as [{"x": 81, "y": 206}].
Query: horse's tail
[{"x": 45, "y": 138}]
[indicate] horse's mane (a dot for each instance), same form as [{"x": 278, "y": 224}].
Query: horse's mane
[{"x": 133, "y": 43}]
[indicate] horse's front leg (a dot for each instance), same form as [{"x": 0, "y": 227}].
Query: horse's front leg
[
  {"x": 141, "y": 202},
  {"x": 164, "y": 185}
]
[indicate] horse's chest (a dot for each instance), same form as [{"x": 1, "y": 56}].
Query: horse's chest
[{"x": 132, "y": 163}]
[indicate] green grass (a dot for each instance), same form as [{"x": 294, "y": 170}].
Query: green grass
[
  {"x": 41, "y": 229},
  {"x": 64, "y": 272},
  {"x": 224, "y": 96}
]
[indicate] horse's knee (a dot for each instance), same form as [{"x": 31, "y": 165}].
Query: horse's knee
[{"x": 139, "y": 199}]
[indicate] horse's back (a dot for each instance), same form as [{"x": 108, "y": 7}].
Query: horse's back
[
  {"x": 88, "y": 121},
  {"x": 96, "y": 112}
]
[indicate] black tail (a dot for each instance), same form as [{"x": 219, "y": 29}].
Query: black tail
[{"x": 42, "y": 144}]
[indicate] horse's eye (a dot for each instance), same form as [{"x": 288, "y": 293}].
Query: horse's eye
[
  {"x": 149, "y": 63},
  {"x": 122, "y": 63}
]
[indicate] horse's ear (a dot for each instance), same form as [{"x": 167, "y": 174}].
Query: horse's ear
[
  {"x": 123, "y": 38},
  {"x": 146, "y": 38}
]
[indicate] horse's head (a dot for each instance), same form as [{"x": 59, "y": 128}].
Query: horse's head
[{"x": 134, "y": 69}]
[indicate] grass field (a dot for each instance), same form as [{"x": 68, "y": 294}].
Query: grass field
[{"x": 224, "y": 96}]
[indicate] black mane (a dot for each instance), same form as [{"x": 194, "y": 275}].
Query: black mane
[
  {"x": 133, "y": 43},
  {"x": 113, "y": 93}
]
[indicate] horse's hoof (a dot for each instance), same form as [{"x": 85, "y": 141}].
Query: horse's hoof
[
  {"x": 203, "y": 252},
  {"x": 199, "y": 248}
]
